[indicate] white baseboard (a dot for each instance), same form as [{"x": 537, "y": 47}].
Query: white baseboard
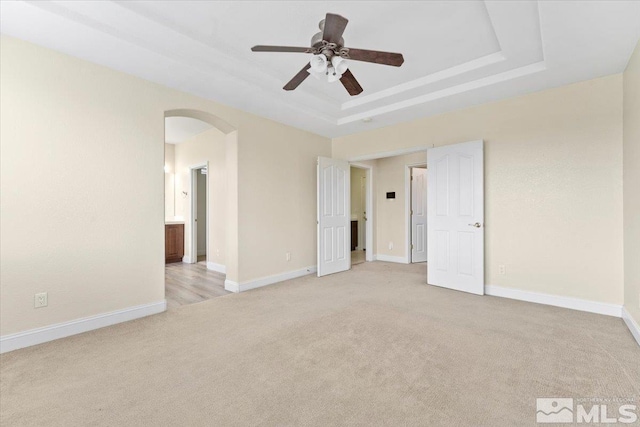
[
  {"x": 390, "y": 258},
  {"x": 614, "y": 310},
  {"x": 216, "y": 267},
  {"x": 232, "y": 286},
  {"x": 60, "y": 330},
  {"x": 186, "y": 259},
  {"x": 631, "y": 324}
]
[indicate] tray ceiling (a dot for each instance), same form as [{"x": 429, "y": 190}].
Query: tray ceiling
[{"x": 457, "y": 54}]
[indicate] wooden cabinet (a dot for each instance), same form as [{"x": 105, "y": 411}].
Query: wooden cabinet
[
  {"x": 354, "y": 235},
  {"x": 173, "y": 243}
]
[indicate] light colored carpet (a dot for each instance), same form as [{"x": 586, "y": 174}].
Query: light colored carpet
[{"x": 374, "y": 346}]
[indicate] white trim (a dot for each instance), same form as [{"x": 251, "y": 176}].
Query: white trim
[
  {"x": 186, "y": 259},
  {"x": 216, "y": 267},
  {"x": 447, "y": 73},
  {"x": 60, "y": 330},
  {"x": 392, "y": 153},
  {"x": 447, "y": 92},
  {"x": 607, "y": 309},
  {"x": 370, "y": 213},
  {"x": 408, "y": 196},
  {"x": 390, "y": 258},
  {"x": 232, "y": 286},
  {"x": 193, "y": 176},
  {"x": 631, "y": 324}
]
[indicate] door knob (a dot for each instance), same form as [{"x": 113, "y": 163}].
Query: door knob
[{"x": 476, "y": 225}]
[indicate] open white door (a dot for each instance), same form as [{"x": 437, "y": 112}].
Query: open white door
[
  {"x": 334, "y": 216},
  {"x": 418, "y": 214},
  {"x": 455, "y": 217}
]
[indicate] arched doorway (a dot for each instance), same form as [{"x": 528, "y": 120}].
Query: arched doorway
[{"x": 200, "y": 206}]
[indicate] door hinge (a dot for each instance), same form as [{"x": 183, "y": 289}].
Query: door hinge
[{"x": 412, "y": 246}]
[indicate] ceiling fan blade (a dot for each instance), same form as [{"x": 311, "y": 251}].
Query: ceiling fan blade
[
  {"x": 334, "y": 26},
  {"x": 261, "y": 48},
  {"x": 298, "y": 78},
  {"x": 350, "y": 83},
  {"x": 375, "y": 56}
]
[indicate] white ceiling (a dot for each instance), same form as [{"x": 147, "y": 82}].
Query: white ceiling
[
  {"x": 457, "y": 53},
  {"x": 179, "y": 129}
]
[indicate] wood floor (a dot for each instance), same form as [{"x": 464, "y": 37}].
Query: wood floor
[
  {"x": 191, "y": 283},
  {"x": 357, "y": 257}
]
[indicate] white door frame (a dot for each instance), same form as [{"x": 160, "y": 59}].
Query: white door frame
[
  {"x": 369, "y": 205},
  {"x": 193, "y": 232},
  {"x": 407, "y": 205}
]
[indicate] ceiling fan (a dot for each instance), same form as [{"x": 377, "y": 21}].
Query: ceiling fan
[{"x": 330, "y": 56}]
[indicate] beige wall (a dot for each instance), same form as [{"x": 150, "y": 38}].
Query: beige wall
[
  {"x": 553, "y": 184},
  {"x": 392, "y": 221},
  {"x": 277, "y": 191},
  {"x": 208, "y": 146},
  {"x": 632, "y": 185},
  {"x": 92, "y": 217},
  {"x": 169, "y": 181},
  {"x": 231, "y": 257}
]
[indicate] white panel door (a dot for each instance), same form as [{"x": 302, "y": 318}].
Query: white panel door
[
  {"x": 455, "y": 217},
  {"x": 334, "y": 216},
  {"x": 418, "y": 214}
]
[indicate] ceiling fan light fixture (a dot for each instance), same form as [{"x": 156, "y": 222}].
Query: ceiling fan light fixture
[
  {"x": 320, "y": 75},
  {"x": 318, "y": 63},
  {"x": 332, "y": 75},
  {"x": 340, "y": 64}
]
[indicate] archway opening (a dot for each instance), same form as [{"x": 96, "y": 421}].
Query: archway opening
[{"x": 198, "y": 205}]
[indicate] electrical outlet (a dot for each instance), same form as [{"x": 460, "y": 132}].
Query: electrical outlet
[
  {"x": 288, "y": 256},
  {"x": 40, "y": 300},
  {"x": 502, "y": 270},
  {"x": 390, "y": 246}
]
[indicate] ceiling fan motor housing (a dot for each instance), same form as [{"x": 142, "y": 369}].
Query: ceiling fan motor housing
[{"x": 321, "y": 45}]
